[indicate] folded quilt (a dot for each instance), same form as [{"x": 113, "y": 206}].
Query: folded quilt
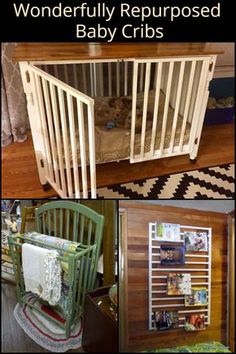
[
  {"x": 65, "y": 245},
  {"x": 42, "y": 272}
]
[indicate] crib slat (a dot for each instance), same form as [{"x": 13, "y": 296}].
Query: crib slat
[
  {"x": 51, "y": 130},
  {"x": 44, "y": 125},
  {"x": 55, "y": 222},
  {"x": 55, "y": 70},
  {"x": 157, "y": 84},
  {"x": 101, "y": 83},
  {"x": 73, "y": 144},
  {"x": 145, "y": 104},
  {"x": 81, "y": 231},
  {"x": 44, "y": 223},
  {"x": 134, "y": 101},
  {"x": 126, "y": 78},
  {"x": 91, "y": 151},
  {"x": 176, "y": 112},
  {"x": 82, "y": 148},
  {"x": 166, "y": 106},
  {"x": 90, "y": 226},
  {"x": 61, "y": 223},
  {"x": 85, "y": 276},
  {"x": 187, "y": 104},
  {"x": 141, "y": 78},
  {"x": 84, "y": 77},
  {"x": 58, "y": 138},
  {"x": 49, "y": 222},
  {"x": 80, "y": 281},
  {"x": 65, "y": 141},
  {"x": 91, "y": 79},
  {"x": 75, "y": 223},
  {"x": 75, "y": 77},
  {"x": 117, "y": 78},
  {"x": 66, "y": 76},
  {"x": 67, "y": 234},
  {"x": 109, "y": 80}
]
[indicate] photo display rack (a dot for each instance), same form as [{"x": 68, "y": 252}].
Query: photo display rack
[{"x": 194, "y": 262}]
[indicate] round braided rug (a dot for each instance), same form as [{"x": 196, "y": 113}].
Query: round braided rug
[{"x": 44, "y": 332}]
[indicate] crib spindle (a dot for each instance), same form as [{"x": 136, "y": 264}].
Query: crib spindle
[
  {"x": 176, "y": 111},
  {"x": 109, "y": 79},
  {"x": 84, "y": 77},
  {"x": 67, "y": 233},
  {"x": 44, "y": 125},
  {"x": 73, "y": 144},
  {"x": 157, "y": 84},
  {"x": 125, "y": 78},
  {"x": 187, "y": 104},
  {"x": 65, "y": 141},
  {"x": 55, "y": 222},
  {"x": 90, "y": 226},
  {"x": 92, "y": 150},
  {"x": 49, "y": 222},
  {"x": 145, "y": 105},
  {"x": 166, "y": 106},
  {"x": 134, "y": 101},
  {"x": 75, "y": 226},
  {"x": 82, "y": 143},
  {"x": 58, "y": 138},
  {"x": 51, "y": 130},
  {"x": 81, "y": 233},
  {"x": 75, "y": 76},
  {"x": 117, "y": 78},
  {"x": 61, "y": 223}
]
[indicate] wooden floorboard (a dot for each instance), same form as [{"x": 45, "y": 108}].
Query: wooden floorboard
[
  {"x": 20, "y": 176},
  {"x": 14, "y": 339}
]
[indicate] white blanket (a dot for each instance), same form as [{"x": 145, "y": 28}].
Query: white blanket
[{"x": 42, "y": 272}]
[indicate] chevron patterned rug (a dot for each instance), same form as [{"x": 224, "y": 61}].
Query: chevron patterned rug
[{"x": 205, "y": 183}]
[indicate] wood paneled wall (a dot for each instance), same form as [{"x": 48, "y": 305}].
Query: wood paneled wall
[{"x": 138, "y": 215}]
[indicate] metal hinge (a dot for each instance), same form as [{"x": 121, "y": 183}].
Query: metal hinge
[
  {"x": 41, "y": 163},
  {"x": 196, "y": 141}
]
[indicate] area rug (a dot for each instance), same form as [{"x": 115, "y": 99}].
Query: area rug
[
  {"x": 206, "y": 183},
  {"x": 44, "y": 332}
]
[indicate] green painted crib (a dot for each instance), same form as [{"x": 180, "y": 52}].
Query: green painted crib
[{"x": 73, "y": 222}]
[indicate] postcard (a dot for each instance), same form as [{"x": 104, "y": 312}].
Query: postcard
[
  {"x": 171, "y": 255},
  {"x": 168, "y": 232},
  {"x": 196, "y": 241},
  {"x": 165, "y": 320},
  {"x": 195, "y": 322},
  {"x": 197, "y": 298},
  {"x": 179, "y": 284}
]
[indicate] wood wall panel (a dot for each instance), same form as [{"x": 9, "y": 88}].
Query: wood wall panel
[{"x": 136, "y": 314}]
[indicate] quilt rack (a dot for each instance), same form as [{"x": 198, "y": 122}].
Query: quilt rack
[
  {"x": 197, "y": 263},
  {"x": 79, "y": 281}
]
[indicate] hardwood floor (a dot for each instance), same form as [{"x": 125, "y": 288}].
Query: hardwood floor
[
  {"x": 14, "y": 339},
  {"x": 20, "y": 176}
]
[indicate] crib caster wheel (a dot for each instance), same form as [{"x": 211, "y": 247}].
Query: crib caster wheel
[
  {"x": 193, "y": 160},
  {"x": 46, "y": 187}
]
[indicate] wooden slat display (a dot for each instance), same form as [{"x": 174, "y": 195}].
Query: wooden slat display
[{"x": 197, "y": 263}]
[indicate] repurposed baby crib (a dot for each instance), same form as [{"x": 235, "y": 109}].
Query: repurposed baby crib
[
  {"x": 96, "y": 103},
  {"x": 73, "y": 222}
]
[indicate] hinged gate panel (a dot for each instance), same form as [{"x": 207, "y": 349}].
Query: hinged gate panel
[
  {"x": 67, "y": 133},
  {"x": 166, "y": 120}
]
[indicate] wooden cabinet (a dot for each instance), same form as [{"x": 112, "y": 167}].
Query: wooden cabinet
[{"x": 100, "y": 324}]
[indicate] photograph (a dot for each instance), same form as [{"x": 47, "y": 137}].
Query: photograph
[
  {"x": 196, "y": 241},
  {"x": 178, "y": 284},
  {"x": 195, "y": 322},
  {"x": 197, "y": 298},
  {"x": 165, "y": 320},
  {"x": 171, "y": 255}
]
